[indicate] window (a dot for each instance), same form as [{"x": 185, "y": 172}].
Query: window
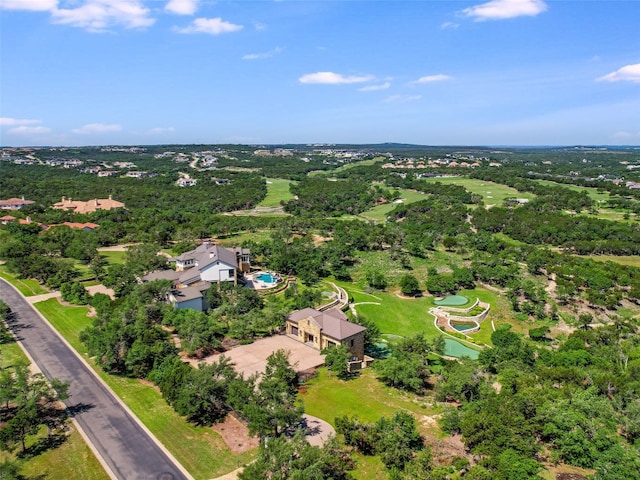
[
  {"x": 352, "y": 343},
  {"x": 231, "y": 272}
]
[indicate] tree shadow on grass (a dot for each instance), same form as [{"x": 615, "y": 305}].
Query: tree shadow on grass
[{"x": 43, "y": 445}]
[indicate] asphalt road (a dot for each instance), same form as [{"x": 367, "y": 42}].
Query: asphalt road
[{"x": 126, "y": 448}]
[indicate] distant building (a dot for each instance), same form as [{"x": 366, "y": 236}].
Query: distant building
[
  {"x": 14, "y": 203},
  {"x": 77, "y": 206},
  {"x": 187, "y": 182}
]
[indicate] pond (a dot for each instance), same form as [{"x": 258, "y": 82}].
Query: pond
[
  {"x": 452, "y": 301},
  {"x": 456, "y": 349},
  {"x": 462, "y": 327}
]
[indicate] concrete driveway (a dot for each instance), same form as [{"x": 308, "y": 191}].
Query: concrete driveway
[{"x": 252, "y": 358}]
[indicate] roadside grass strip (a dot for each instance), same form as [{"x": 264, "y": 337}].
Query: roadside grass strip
[
  {"x": 26, "y": 287},
  {"x": 71, "y": 460},
  {"x": 199, "y": 449}
]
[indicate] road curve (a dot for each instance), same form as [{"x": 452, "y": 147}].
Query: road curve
[{"x": 128, "y": 451}]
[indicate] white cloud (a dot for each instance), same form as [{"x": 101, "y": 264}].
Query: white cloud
[
  {"x": 403, "y": 98},
  {"x": 99, "y": 15},
  {"x": 625, "y": 135},
  {"x": 503, "y": 9},
  {"x": 261, "y": 56},
  {"x": 26, "y": 130},
  {"x": 32, "y": 5},
  {"x": 449, "y": 26},
  {"x": 182, "y": 7},
  {"x": 432, "y": 78},
  {"x": 161, "y": 130},
  {"x": 628, "y": 73},
  {"x": 97, "y": 128},
  {"x": 373, "y": 88},
  {"x": 212, "y": 26},
  {"x": 331, "y": 78},
  {"x": 8, "y": 121}
]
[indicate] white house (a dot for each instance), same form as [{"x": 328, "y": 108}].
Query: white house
[{"x": 197, "y": 269}]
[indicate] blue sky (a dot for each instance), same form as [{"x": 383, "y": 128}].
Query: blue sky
[{"x": 465, "y": 72}]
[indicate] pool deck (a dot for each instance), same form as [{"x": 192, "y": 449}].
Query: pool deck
[{"x": 252, "y": 281}]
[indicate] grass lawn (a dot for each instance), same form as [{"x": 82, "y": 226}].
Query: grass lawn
[
  {"x": 381, "y": 212},
  {"x": 594, "y": 193},
  {"x": 114, "y": 257},
  {"x": 11, "y": 355},
  {"x": 26, "y": 286},
  {"x": 200, "y": 450},
  {"x": 277, "y": 191},
  {"x": 492, "y": 193},
  {"x": 327, "y": 397}
]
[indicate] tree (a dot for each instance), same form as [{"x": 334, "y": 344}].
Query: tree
[
  {"x": 376, "y": 279},
  {"x": 337, "y": 360},
  {"x": 272, "y": 409},
  {"x": 409, "y": 284},
  {"x": 281, "y": 459}
]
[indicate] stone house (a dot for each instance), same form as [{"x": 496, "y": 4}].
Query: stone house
[{"x": 324, "y": 329}]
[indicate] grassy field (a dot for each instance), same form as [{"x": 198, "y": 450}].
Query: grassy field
[
  {"x": 26, "y": 286},
  {"x": 114, "y": 257},
  {"x": 277, "y": 191},
  {"x": 492, "y": 193},
  {"x": 72, "y": 460},
  {"x": 200, "y": 450},
  {"x": 237, "y": 239},
  {"x": 327, "y": 397},
  {"x": 330, "y": 173},
  {"x": 594, "y": 193},
  {"x": 379, "y": 213},
  {"x": 630, "y": 260}
]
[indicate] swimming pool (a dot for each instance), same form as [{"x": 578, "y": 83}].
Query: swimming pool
[{"x": 266, "y": 277}]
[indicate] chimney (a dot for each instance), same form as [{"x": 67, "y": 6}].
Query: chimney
[
  {"x": 110, "y": 197},
  {"x": 63, "y": 199}
]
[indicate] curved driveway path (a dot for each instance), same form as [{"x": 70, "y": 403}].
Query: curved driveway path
[{"x": 124, "y": 445}]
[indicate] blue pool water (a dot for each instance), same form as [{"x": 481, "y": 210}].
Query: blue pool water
[{"x": 267, "y": 278}]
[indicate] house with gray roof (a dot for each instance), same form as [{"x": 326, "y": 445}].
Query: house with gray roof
[
  {"x": 325, "y": 329},
  {"x": 198, "y": 269}
]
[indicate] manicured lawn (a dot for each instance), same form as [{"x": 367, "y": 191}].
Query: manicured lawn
[
  {"x": 277, "y": 191},
  {"x": 327, "y": 397},
  {"x": 114, "y": 257},
  {"x": 492, "y": 193},
  {"x": 69, "y": 321},
  {"x": 200, "y": 450},
  {"x": 381, "y": 212},
  {"x": 11, "y": 355},
  {"x": 71, "y": 460},
  {"x": 26, "y": 286}
]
